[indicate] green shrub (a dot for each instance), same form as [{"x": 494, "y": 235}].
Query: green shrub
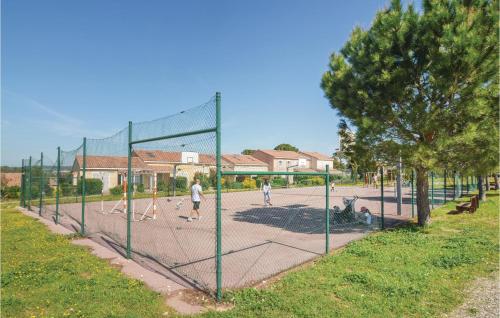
[
  {"x": 116, "y": 190},
  {"x": 92, "y": 186},
  {"x": 140, "y": 188},
  {"x": 11, "y": 192},
  {"x": 278, "y": 182},
  {"x": 236, "y": 185},
  {"x": 161, "y": 186},
  {"x": 318, "y": 181},
  {"x": 249, "y": 183},
  {"x": 66, "y": 189},
  {"x": 181, "y": 183}
]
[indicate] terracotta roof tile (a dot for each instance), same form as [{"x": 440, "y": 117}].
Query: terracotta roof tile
[
  {"x": 282, "y": 154},
  {"x": 237, "y": 159},
  {"x": 316, "y": 155},
  {"x": 111, "y": 162}
]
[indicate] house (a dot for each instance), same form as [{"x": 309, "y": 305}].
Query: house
[
  {"x": 167, "y": 164},
  {"x": 237, "y": 162},
  {"x": 111, "y": 170},
  {"x": 318, "y": 160},
  {"x": 280, "y": 160}
]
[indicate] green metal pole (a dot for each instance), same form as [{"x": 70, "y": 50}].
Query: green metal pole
[
  {"x": 29, "y": 186},
  {"x": 58, "y": 176},
  {"x": 41, "y": 186},
  {"x": 445, "y": 177},
  {"x": 21, "y": 197},
  {"x": 219, "y": 198},
  {"x": 412, "y": 193},
  {"x": 432, "y": 189},
  {"x": 327, "y": 210},
  {"x": 129, "y": 192},
  {"x": 84, "y": 183},
  {"x": 382, "y": 219}
]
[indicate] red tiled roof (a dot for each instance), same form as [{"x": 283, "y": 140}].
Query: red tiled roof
[
  {"x": 159, "y": 156},
  {"x": 282, "y": 154},
  {"x": 316, "y": 155},
  {"x": 111, "y": 162},
  {"x": 237, "y": 159},
  {"x": 11, "y": 178}
]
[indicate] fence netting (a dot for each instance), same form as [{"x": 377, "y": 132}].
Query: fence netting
[{"x": 167, "y": 234}]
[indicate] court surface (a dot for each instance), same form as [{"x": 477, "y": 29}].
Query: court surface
[{"x": 258, "y": 242}]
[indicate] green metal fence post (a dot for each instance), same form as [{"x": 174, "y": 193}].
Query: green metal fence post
[
  {"x": 445, "y": 176},
  {"x": 29, "y": 186},
  {"x": 129, "y": 192},
  {"x": 382, "y": 220},
  {"x": 327, "y": 210},
  {"x": 432, "y": 189},
  {"x": 41, "y": 186},
  {"x": 218, "y": 199},
  {"x": 412, "y": 193},
  {"x": 21, "y": 197},
  {"x": 58, "y": 177},
  {"x": 84, "y": 183}
]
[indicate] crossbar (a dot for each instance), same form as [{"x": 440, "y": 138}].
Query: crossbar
[
  {"x": 190, "y": 133},
  {"x": 272, "y": 173}
]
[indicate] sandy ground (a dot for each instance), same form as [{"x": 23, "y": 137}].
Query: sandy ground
[{"x": 483, "y": 300}]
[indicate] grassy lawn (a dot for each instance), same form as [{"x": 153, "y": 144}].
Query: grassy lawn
[
  {"x": 44, "y": 275},
  {"x": 408, "y": 272}
]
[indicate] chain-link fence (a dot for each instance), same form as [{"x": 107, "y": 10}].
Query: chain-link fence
[{"x": 160, "y": 192}]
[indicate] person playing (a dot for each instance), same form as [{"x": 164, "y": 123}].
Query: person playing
[
  {"x": 266, "y": 189},
  {"x": 196, "y": 194},
  {"x": 332, "y": 186},
  {"x": 375, "y": 181}
]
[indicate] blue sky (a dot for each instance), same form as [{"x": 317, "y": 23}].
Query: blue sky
[{"x": 85, "y": 68}]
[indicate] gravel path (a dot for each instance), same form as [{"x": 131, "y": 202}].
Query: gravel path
[{"x": 484, "y": 300}]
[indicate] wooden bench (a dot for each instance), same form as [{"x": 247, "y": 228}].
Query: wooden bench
[{"x": 470, "y": 206}]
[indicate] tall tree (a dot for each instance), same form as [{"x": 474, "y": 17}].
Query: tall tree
[
  {"x": 410, "y": 83},
  {"x": 286, "y": 147}
]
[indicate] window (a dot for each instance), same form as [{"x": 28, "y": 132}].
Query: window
[
  {"x": 190, "y": 159},
  {"x": 280, "y": 163}
]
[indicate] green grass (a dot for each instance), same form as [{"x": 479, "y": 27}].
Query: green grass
[
  {"x": 44, "y": 275},
  {"x": 407, "y": 272}
]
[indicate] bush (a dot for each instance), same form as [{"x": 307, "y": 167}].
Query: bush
[
  {"x": 92, "y": 186},
  {"x": 66, "y": 189},
  {"x": 116, "y": 190},
  {"x": 161, "y": 186},
  {"x": 249, "y": 183},
  {"x": 318, "y": 181},
  {"x": 10, "y": 192},
  {"x": 140, "y": 188},
  {"x": 278, "y": 182},
  {"x": 237, "y": 185},
  {"x": 181, "y": 183}
]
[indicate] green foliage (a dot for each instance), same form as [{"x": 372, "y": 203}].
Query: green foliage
[
  {"x": 92, "y": 186},
  {"x": 249, "y": 183},
  {"x": 423, "y": 86},
  {"x": 116, "y": 190},
  {"x": 286, "y": 147},
  {"x": 11, "y": 192},
  {"x": 181, "y": 183},
  {"x": 140, "y": 188},
  {"x": 278, "y": 182},
  {"x": 248, "y": 151},
  {"x": 161, "y": 185}
]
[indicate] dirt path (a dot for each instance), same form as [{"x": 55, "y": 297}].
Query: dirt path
[{"x": 483, "y": 300}]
